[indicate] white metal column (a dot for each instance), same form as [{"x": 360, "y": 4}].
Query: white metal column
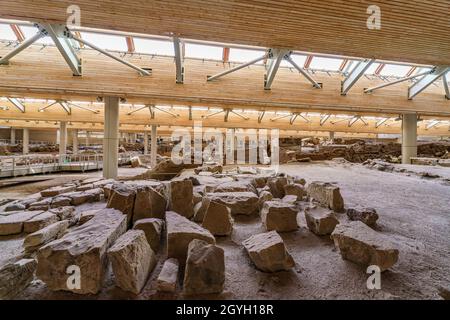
[
  {"x": 409, "y": 137},
  {"x": 154, "y": 146},
  {"x": 111, "y": 138},
  {"x": 25, "y": 140}
]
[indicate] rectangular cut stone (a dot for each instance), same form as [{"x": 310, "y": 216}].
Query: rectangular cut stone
[
  {"x": 13, "y": 222},
  {"x": 46, "y": 234},
  {"x": 168, "y": 277},
  {"x": 83, "y": 247},
  {"x": 326, "y": 194},
  {"x": 40, "y": 221}
]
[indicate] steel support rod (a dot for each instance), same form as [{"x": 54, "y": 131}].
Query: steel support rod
[
  {"x": 106, "y": 53},
  {"x": 84, "y": 108},
  {"x": 178, "y": 60},
  {"x": 16, "y": 102},
  {"x": 354, "y": 76},
  {"x": 239, "y": 115},
  {"x": 324, "y": 119},
  {"x": 168, "y": 112},
  {"x": 28, "y": 42},
  {"x": 280, "y": 117},
  {"x": 304, "y": 73},
  {"x": 213, "y": 114},
  {"x": 446, "y": 87},
  {"x": 46, "y": 107},
  {"x": 372, "y": 89},
  {"x": 427, "y": 80},
  {"x": 138, "y": 109},
  {"x": 241, "y": 66}
]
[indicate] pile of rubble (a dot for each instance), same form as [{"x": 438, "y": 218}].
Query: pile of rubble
[
  {"x": 361, "y": 151},
  {"x": 191, "y": 212}
]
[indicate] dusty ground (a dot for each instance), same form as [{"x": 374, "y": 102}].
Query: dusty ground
[{"x": 414, "y": 212}]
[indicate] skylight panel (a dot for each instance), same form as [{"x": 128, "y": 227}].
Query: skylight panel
[
  {"x": 245, "y": 55},
  {"x": 395, "y": 70},
  {"x": 299, "y": 59},
  {"x": 203, "y": 51},
  {"x": 373, "y": 67},
  {"x": 106, "y": 42},
  {"x": 6, "y": 32},
  {"x": 158, "y": 47},
  {"x": 29, "y": 32},
  {"x": 321, "y": 63}
]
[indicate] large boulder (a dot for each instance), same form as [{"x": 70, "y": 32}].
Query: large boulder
[
  {"x": 152, "y": 228},
  {"x": 326, "y": 194},
  {"x": 276, "y": 185},
  {"x": 367, "y": 215},
  {"x": 205, "y": 268},
  {"x": 168, "y": 277},
  {"x": 40, "y": 221},
  {"x": 200, "y": 209},
  {"x": 320, "y": 221},
  {"x": 218, "y": 219},
  {"x": 268, "y": 252},
  {"x": 45, "y": 235},
  {"x": 132, "y": 260},
  {"x": 246, "y": 203},
  {"x": 180, "y": 232},
  {"x": 122, "y": 198},
  {"x": 279, "y": 216},
  {"x": 295, "y": 189},
  {"x": 180, "y": 195},
  {"x": 359, "y": 243},
  {"x": 84, "y": 247},
  {"x": 15, "y": 277},
  {"x": 148, "y": 203},
  {"x": 13, "y": 222}
]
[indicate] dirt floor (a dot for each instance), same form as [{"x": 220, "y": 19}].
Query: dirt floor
[{"x": 414, "y": 213}]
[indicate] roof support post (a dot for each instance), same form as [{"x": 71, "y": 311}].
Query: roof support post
[
  {"x": 446, "y": 87},
  {"x": 354, "y": 76},
  {"x": 275, "y": 57},
  {"x": 427, "y": 80},
  {"x": 17, "y": 103},
  {"x": 59, "y": 33},
  {"x": 178, "y": 60}
]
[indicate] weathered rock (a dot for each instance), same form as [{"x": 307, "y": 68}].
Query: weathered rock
[
  {"x": 41, "y": 205},
  {"x": 13, "y": 223},
  {"x": 259, "y": 182},
  {"x": 235, "y": 186},
  {"x": 298, "y": 180},
  {"x": 54, "y": 191},
  {"x": 152, "y": 228},
  {"x": 45, "y": 235},
  {"x": 180, "y": 193},
  {"x": 66, "y": 213},
  {"x": 132, "y": 260},
  {"x": 263, "y": 197},
  {"x": 367, "y": 215},
  {"x": 135, "y": 162},
  {"x": 148, "y": 203},
  {"x": 290, "y": 199},
  {"x": 279, "y": 216},
  {"x": 15, "y": 206},
  {"x": 122, "y": 198},
  {"x": 168, "y": 277},
  {"x": 196, "y": 198},
  {"x": 40, "y": 221},
  {"x": 85, "y": 216},
  {"x": 60, "y": 201},
  {"x": 362, "y": 245},
  {"x": 239, "y": 202},
  {"x": 268, "y": 252},
  {"x": 200, "y": 209},
  {"x": 320, "y": 221},
  {"x": 214, "y": 168},
  {"x": 218, "y": 219},
  {"x": 205, "y": 268},
  {"x": 180, "y": 232},
  {"x": 84, "y": 246},
  {"x": 85, "y": 187},
  {"x": 276, "y": 186},
  {"x": 326, "y": 194},
  {"x": 15, "y": 277},
  {"x": 444, "y": 293},
  {"x": 296, "y": 190}
]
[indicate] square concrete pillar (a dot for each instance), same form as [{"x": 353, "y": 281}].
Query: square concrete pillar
[
  {"x": 62, "y": 138},
  {"x": 75, "y": 141},
  {"x": 25, "y": 140},
  {"x": 145, "y": 142},
  {"x": 13, "y": 136},
  {"x": 409, "y": 137},
  {"x": 154, "y": 146},
  {"x": 111, "y": 138}
]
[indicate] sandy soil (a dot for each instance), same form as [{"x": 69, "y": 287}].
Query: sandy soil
[{"x": 414, "y": 212}]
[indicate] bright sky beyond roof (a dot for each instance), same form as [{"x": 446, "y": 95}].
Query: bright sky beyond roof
[{"x": 200, "y": 51}]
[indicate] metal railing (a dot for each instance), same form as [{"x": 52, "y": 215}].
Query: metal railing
[{"x": 12, "y": 166}]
